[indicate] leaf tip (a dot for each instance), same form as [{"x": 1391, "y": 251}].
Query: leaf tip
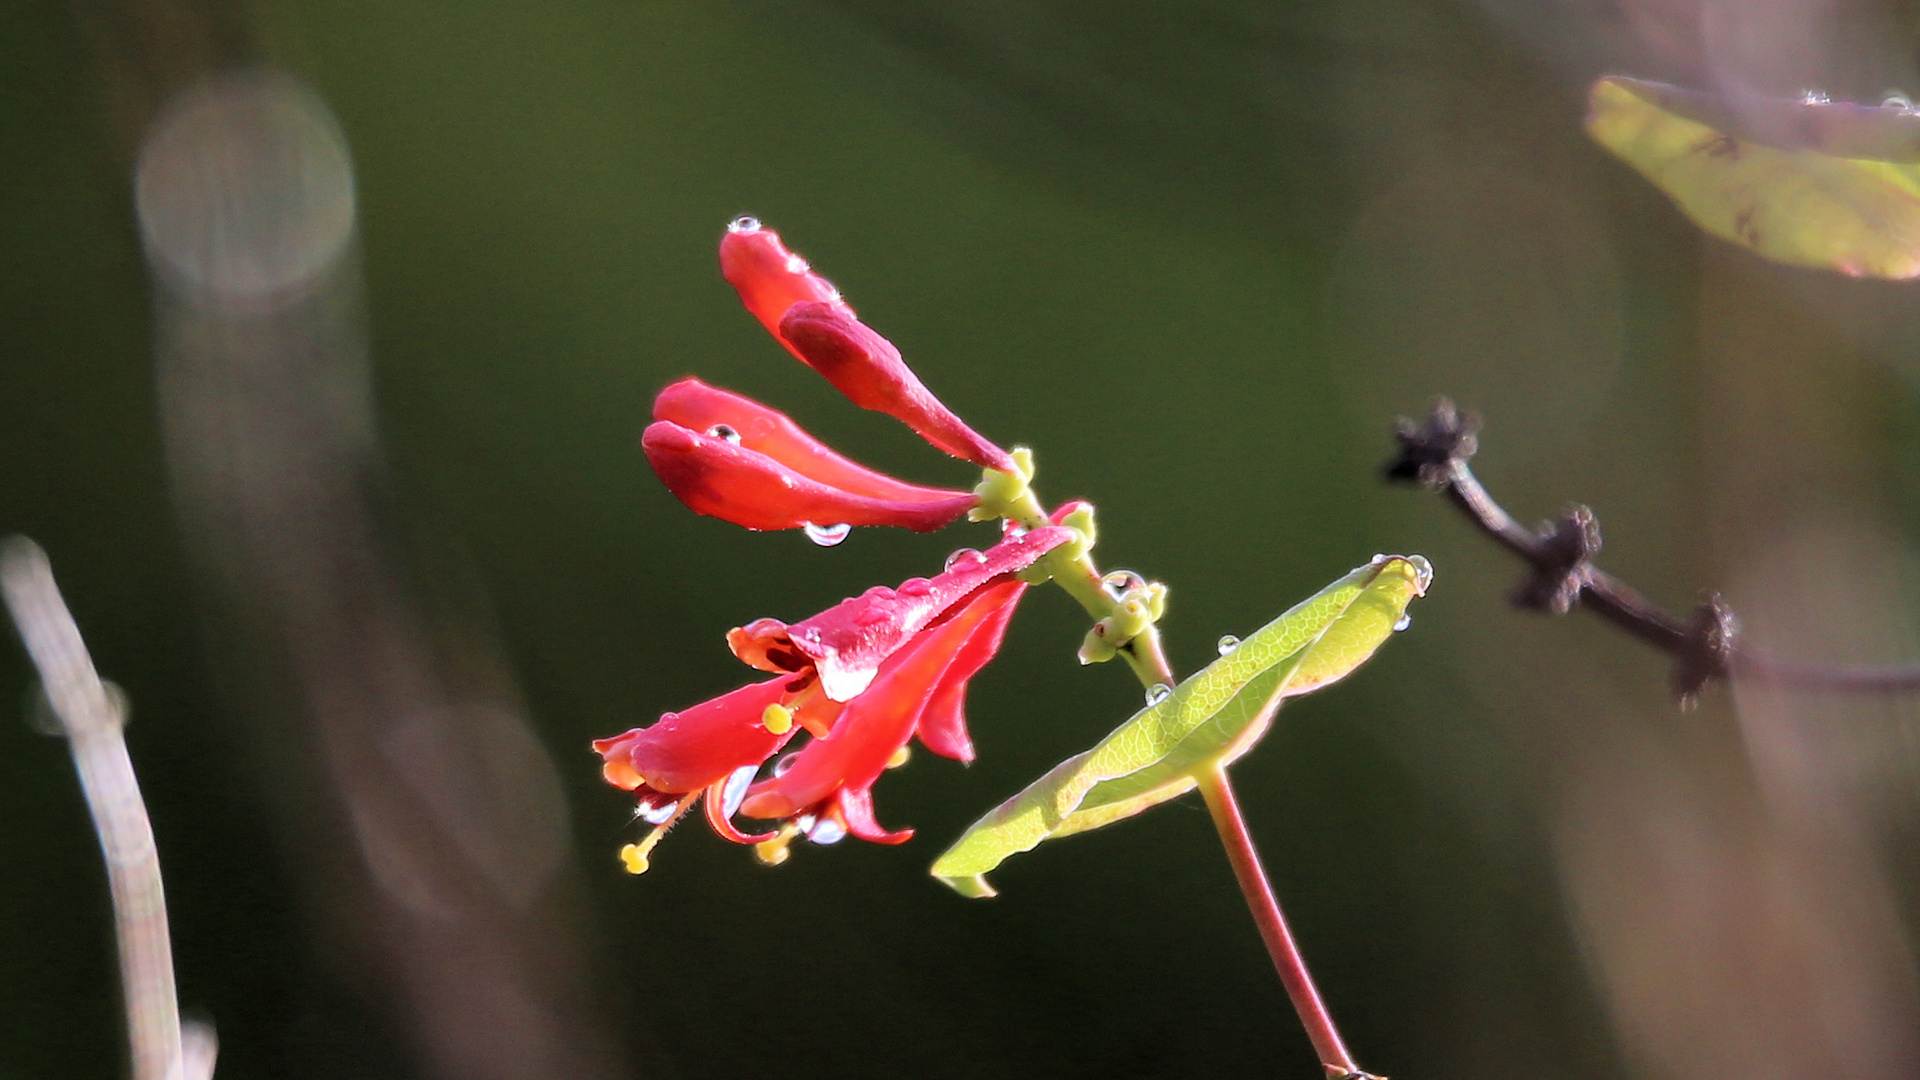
[{"x": 971, "y": 886}]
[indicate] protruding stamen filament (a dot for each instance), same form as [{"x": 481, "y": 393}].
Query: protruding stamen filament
[{"x": 635, "y": 855}]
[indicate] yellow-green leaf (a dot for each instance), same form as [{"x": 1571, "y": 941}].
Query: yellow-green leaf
[
  {"x": 1215, "y": 716},
  {"x": 1811, "y": 183}
]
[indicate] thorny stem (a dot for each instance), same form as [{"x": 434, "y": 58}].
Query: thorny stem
[
  {"x": 1218, "y": 791},
  {"x": 1559, "y": 555}
]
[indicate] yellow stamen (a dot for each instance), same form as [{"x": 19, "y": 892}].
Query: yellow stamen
[
  {"x": 900, "y": 757},
  {"x": 774, "y": 852},
  {"x": 778, "y": 719},
  {"x": 636, "y": 861}
]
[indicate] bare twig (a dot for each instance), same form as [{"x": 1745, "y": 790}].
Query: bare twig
[
  {"x": 1705, "y": 646},
  {"x": 91, "y": 714}
]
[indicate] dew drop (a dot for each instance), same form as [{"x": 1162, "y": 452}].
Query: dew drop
[
  {"x": 1376, "y": 560},
  {"x": 1158, "y": 693},
  {"x": 1405, "y": 621},
  {"x": 825, "y": 535},
  {"x": 1014, "y": 530},
  {"x": 1815, "y": 97},
  {"x": 915, "y": 587},
  {"x": 658, "y": 810},
  {"x": 744, "y": 224},
  {"x": 735, "y": 792},
  {"x": 1121, "y": 582},
  {"x": 1227, "y": 644},
  {"x": 964, "y": 560},
  {"x": 786, "y": 761},
  {"x": 1897, "y": 100},
  {"x": 827, "y": 831},
  {"x": 722, "y": 431},
  {"x": 797, "y": 265}
]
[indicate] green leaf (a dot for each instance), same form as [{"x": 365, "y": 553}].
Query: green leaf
[
  {"x": 1811, "y": 183},
  {"x": 1213, "y": 717}
]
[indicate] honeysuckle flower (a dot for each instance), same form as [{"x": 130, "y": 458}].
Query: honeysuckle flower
[
  {"x": 804, "y": 312},
  {"x": 863, "y": 677},
  {"x": 846, "y": 644},
  {"x": 733, "y": 458},
  {"x": 825, "y": 788}
]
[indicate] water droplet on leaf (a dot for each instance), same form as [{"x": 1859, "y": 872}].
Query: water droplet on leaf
[
  {"x": 825, "y": 535},
  {"x": 722, "y": 431},
  {"x": 1227, "y": 644},
  {"x": 744, "y": 224},
  {"x": 1158, "y": 693}
]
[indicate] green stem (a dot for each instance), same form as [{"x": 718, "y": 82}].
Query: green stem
[{"x": 1218, "y": 792}]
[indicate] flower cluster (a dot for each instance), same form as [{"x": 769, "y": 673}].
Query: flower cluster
[{"x": 865, "y": 677}]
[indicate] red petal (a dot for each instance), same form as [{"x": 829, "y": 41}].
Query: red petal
[
  {"x": 717, "y": 818},
  {"x": 857, "y": 808},
  {"x": 868, "y": 369},
  {"x": 770, "y": 278},
  {"x": 715, "y": 477},
  {"x": 696, "y": 406},
  {"x": 689, "y": 750},
  {"x": 943, "y": 724},
  {"x": 875, "y": 725},
  {"x": 848, "y": 642}
]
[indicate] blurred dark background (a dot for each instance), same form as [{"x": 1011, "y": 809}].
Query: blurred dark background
[{"x": 1197, "y": 255}]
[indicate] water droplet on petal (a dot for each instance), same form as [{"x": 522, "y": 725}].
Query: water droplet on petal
[
  {"x": 1815, "y": 97},
  {"x": 722, "y": 431},
  {"x": 1405, "y": 621},
  {"x": 825, "y": 535},
  {"x": 1121, "y": 582},
  {"x": 916, "y": 587},
  {"x": 1014, "y": 530},
  {"x": 1227, "y": 644},
  {"x": 744, "y": 224},
  {"x": 797, "y": 265},
  {"x": 1376, "y": 560},
  {"x": 827, "y": 831},
  {"x": 785, "y": 762},
  {"x": 657, "y": 809},
  {"x": 964, "y": 560},
  {"x": 1897, "y": 100},
  {"x": 1158, "y": 693},
  {"x": 735, "y": 792},
  {"x": 872, "y": 617}
]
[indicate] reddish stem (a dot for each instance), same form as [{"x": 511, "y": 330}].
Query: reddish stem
[{"x": 1218, "y": 791}]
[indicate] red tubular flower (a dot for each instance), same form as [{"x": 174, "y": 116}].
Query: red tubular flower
[
  {"x": 804, "y": 312},
  {"x": 863, "y": 676},
  {"x": 733, "y": 458},
  {"x": 867, "y": 368},
  {"x": 846, "y": 644},
  {"x": 831, "y": 780}
]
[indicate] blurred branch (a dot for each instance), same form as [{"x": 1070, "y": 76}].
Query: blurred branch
[
  {"x": 1704, "y": 645},
  {"x": 91, "y": 714}
]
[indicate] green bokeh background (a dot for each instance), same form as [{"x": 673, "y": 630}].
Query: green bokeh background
[{"x": 1195, "y": 255}]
